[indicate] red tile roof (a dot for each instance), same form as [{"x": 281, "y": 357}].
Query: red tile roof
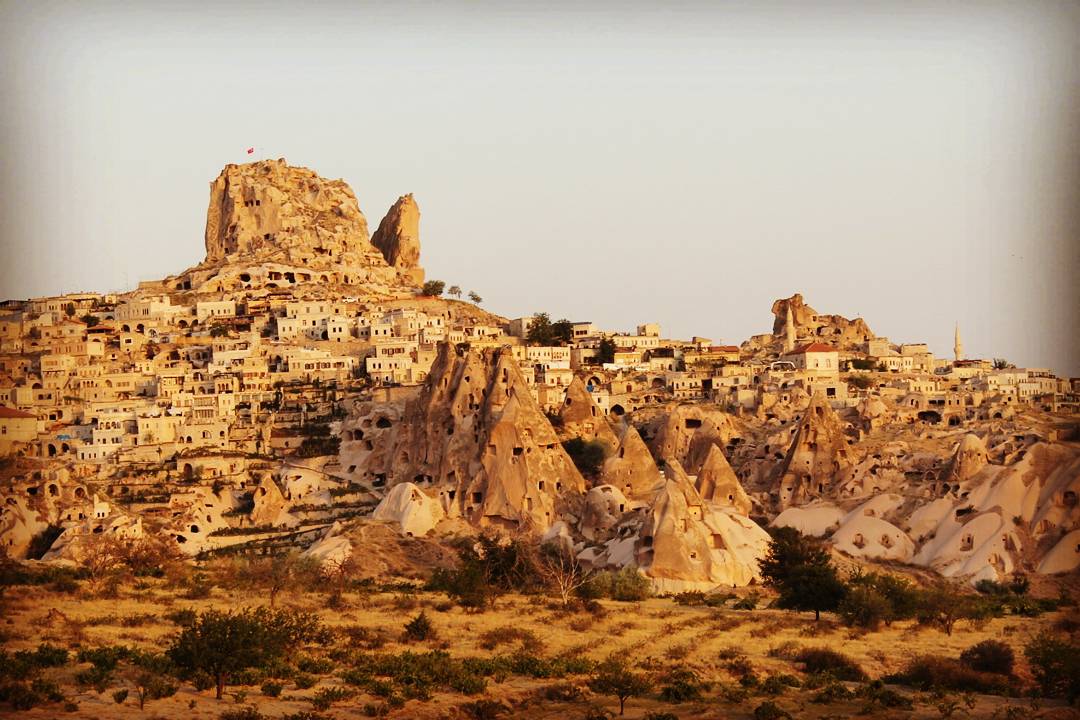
[
  {"x": 812, "y": 347},
  {"x": 6, "y": 412},
  {"x": 724, "y": 348}
]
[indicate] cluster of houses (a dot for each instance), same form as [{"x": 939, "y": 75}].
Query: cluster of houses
[{"x": 101, "y": 377}]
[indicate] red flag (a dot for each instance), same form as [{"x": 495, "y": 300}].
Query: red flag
[{"x": 250, "y": 150}]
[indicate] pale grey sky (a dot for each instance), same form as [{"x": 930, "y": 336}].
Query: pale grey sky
[{"x": 913, "y": 163}]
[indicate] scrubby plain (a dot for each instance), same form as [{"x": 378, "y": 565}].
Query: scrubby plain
[{"x": 404, "y": 650}]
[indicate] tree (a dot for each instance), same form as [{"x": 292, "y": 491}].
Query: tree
[
  {"x": 1055, "y": 663},
  {"x": 562, "y": 571},
  {"x": 944, "y": 605},
  {"x": 475, "y": 298},
  {"x": 562, "y": 331},
  {"x": 873, "y": 598},
  {"x": 540, "y": 331},
  {"x": 219, "y": 330},
  {"x": 69, "y": 309},
  {"x": 223, "y": 643},
  {"x": 1002, "y": 364},
  {"x": 276, "y": 573},
  {"x": 613, "y": 677},
  {"x": 454, "y": 290},
  {"x": 433, "y": 288},
  {"x": 800, "y": 569},
  {"x": 588, "y": 455},
  {"x": 90, "y": 320},
  {"x": 152, "y": 350},
  {"x": 606, "y": 352}
]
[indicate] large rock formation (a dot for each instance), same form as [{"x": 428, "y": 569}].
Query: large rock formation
[
  {"x": 808, "y": 326},
  {"x": 837, "y": 330},
  {"x": 581, "y": 417},
  {"x": 631, "y": 467},
  {"x": 717, "y": 483},
  {"x": 690, "y": 544},
  {"x": 270, "y": 224},
  {"x": 818, "y": 459},
  {"x": 398, "y": 237},
  {"x": 475, "y": 438}
]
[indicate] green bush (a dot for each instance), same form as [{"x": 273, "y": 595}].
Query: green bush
[
  {"x": 992, "y": 656},
  {"x": 120, "y": 696},
  {"x": 305, "y": 681},
  {"x": 1055, "y": 663},
  {"x": 824, "y": 660},
  {"x": 682, "y": 685},
  {"x": 629, "y": 585},
  {"x": 325, "y": 697},
  {"x": 271, "y": 689},
  {"x": 863, "y": 606},
  {"x": 419, "y": 628}
]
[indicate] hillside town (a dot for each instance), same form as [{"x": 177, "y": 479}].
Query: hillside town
[{"x": 305, "y": 381}]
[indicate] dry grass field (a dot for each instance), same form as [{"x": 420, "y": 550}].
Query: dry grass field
[{"x": 721, "y": 646}]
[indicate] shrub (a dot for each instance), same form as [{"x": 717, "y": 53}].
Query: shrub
[
  {"x": 682, "y": 685},
  {"x": 769, "y": 710},
  {"x": 629, "y": 585},
  {"x": 824, "y": 660},
  {"x": 325, "y": 697},
  {"x": 491, "y": 639},
  {"x": 832, "y": 692},
  {"x": 245, "y": 713},
  {"x": 865, "y": 607},
  {"x": 271, "y": 689},
  {"x": 877, "y": 694},
  {"x": 120, "y": 696},
  {"x": 419, "y": 628},
  {"x": 992, "y": 656},
  {"x": 305, "y": 681},
  {"x": 483, "y": 709},
  {"x": 1055, "y": 663},
  {"x": 747, "y": 603},
  {"x": 932, "y": 671}
]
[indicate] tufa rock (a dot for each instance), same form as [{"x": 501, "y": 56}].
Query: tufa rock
[
  {"x": 475, "y": 436},
  {"x": 818, "y": 458},
  {"x": 398, "y": 236}
]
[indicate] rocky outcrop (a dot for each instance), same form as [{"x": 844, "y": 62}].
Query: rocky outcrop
[
  {"x": 717, "y": 483},
  {"x": 631, "y": 467},
  {"x": 581, "y": 417},
  {"x": 398, "y": 236},
  {"x": 406, "y": 505},
  {"x": 687, "y": 543},
  {"x": 270, "y": 224},
  {"x": 476, "y": 438},
  {"x": 810, "y": 326},
  {"x": 970, "y": 457},
  {"x": 818, "y": 459},
  {"x": 689, "y": 430}
]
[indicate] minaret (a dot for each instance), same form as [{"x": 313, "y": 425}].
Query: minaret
[
  {"x": 958, "y": 347},
  {"x": 789, "y": 332}
]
